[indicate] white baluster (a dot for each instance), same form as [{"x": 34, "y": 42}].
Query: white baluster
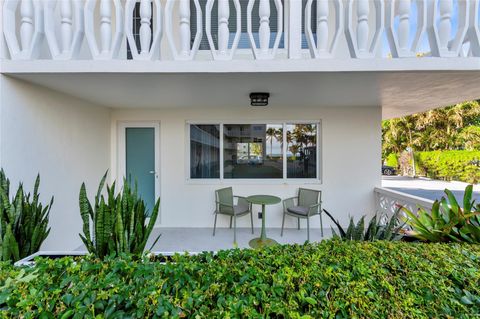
[
  {"x": 66, "y": 27},
  {"x": 264, "y": 30},
  {"x": 445, "y": 25},
  {"x": 363, "y": 10},
  {"x": 145, "y": 26},
  {"x": 26, "y": 27},
  {"x": 322, "y": 25},
  {"x": 404, "y": 7},
  {"x": 185, "y": 34},
  {"x": 105, "y": 25},
  {"x": 223, "y": 30}
]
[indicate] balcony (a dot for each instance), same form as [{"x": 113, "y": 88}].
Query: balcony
[
  {"x": 183, "y": 30},
  {"x": 402, "y": 52}
]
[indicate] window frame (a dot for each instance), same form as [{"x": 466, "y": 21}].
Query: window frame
[{"x": 272, "y": 181}]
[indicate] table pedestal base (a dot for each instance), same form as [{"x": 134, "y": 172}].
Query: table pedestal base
[{"x": 259, "y": 242}]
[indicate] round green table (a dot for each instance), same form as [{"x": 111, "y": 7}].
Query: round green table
[{"x": 263, "y": 200}]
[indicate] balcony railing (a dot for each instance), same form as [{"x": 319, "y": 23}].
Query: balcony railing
[
  {"x": 308, "y": 29},
  {"x": 389, "y": 201}
]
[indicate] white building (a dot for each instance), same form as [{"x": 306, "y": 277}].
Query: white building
[{"x": 132, "y": 87}]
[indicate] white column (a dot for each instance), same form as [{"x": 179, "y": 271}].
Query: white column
[
  {"x": 404, "y": 7},
  {"x": 223, "y": 30},
  {"x": 185, "y": 34},
  {"x": 264, "y": 30},
  {"x": 363, "y": 10},
  {"x": 322, "y": 25},
  {"x": 445, "y": 25},
  {"x": 145, "y": 26},
  {"x": 105, "y": 25},
  {"x": 294, "y": 29},
  {"x": 26, "y": 26},
  {"x": 66, "y": 27}
]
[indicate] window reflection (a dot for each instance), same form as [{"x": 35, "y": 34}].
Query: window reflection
[
  {"x": 301, "y": 150},
  {"x": 253, "y": 151},
  {"x": 204, "y": 151}
]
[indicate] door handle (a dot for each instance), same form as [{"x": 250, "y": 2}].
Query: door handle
[{"x": 155, "y": 173}]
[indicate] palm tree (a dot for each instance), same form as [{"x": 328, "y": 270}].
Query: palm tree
[
  {"x": 469, "y": 138},
  {"x": 294, "y": 149},
  {"x": 271, "y": 134}
]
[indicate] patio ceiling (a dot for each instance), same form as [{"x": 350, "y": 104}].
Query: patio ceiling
[{"x": 398, "y": 92}]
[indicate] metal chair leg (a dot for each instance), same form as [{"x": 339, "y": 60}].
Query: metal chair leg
[
  {"x": 308, "y": 229},
  {"x": 214, "y": 224},
  {"x": 231, "y": 222},
  {"x": 321, "y": 224},
  {"x": 283, "y": 224},
  {"x": 234, "y": 230},
  {"x": 251, "y": 219},
  {"x": 298, "y": 224}
]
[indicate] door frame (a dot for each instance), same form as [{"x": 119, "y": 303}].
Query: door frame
[{"x": 121, "y": 153}]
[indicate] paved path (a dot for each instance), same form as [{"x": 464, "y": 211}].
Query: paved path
[{"x": 428, "y": 188}]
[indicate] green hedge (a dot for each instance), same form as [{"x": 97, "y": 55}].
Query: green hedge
[
  {"x": 331, "y": 279},
  {"x": 392, "y": 160},
  {"x": 449, "y": 165}
]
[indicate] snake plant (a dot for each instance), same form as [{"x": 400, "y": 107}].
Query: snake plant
[
  {"x": 23, "y": 221},
  {"x": 116, "y": 223},
  {"x": 447, "y": 221},
  {"x": 376, "y": 229}
]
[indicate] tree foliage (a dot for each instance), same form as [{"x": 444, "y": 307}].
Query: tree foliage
[{"x": 455, "y": 127}]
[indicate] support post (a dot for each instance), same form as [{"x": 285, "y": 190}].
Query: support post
[{"x": 294, "y": 17}]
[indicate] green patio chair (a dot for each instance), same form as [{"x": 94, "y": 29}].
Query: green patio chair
[
  {"x": 305, "y": 205},
  {"x": 224, "y": 205}
]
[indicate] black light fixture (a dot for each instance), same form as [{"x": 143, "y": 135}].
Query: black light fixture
[{"x": 259, "y": 99}]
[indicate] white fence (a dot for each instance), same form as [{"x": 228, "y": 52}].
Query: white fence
[
  {"x": 452, "y": 27},
  {"x": 388, "y": 201}
]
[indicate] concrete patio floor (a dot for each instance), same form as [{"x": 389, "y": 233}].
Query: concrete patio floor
[{"x": 201, "y": 239}]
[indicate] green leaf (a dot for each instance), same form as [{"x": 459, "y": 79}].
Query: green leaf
[{"x": 311, "y": 301}]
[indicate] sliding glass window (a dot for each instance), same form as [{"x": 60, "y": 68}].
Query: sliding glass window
[
  {"x": 204, "y": 151},
  {"x": 252, "y": 151}
]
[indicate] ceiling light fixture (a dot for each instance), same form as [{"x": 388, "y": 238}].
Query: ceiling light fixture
[{"x": 259, "y": 99}]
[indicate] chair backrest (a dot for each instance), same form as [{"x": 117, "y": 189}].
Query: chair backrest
[
  {"x": 224, "y": 195},
  {"x": 307, "y": 197}
]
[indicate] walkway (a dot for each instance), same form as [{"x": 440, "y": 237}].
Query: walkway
[{"x": 428, "y": 188}]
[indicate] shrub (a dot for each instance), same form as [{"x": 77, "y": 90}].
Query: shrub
[
  {"x": 392, "y": 160},
  {"x": 331, "y": 279},
  {"x": 23, "y": 221},
  {"x": 119, "y": 222},
  {"x": 447, "y": 220},
  {"x": 379, "y": 228},
  {"x": 450, "y": 165}
]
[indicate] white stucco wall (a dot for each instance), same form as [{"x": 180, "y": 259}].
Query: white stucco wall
[
  {"x": 70, "y": 141},
  {"x": 64, "y": 139},
  {"x": 351, "y": 144}
]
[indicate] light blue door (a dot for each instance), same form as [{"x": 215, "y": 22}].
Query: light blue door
[{"x": 140, "y": 162}]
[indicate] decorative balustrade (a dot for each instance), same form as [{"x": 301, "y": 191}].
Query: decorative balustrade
[
  {"x": 399, "y": 36},
  {"x": 99, "y": 29},
  {"x": 473, "y": 34},
  {"x": 327, "y": 39},
  {"x": 389, "y": 201},
  {"x": 222, "y": 52},
  {"x": 150, "y": 34}
]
